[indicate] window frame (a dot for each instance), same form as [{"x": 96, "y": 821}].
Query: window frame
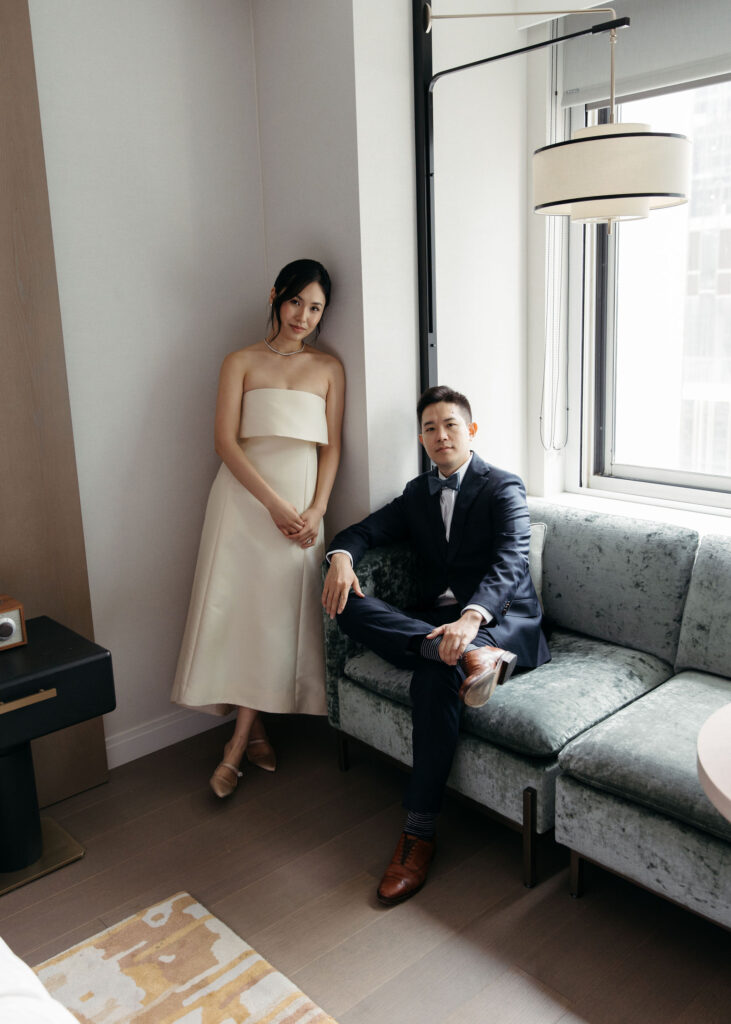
[{"x": 592, "y": 343}]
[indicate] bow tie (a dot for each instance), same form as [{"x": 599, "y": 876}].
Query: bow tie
[{"x": 437, "y": 484}]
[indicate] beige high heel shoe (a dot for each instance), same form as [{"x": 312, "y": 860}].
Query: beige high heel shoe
[
  {"x": 262, "y": 755},
  {"x": 225, "y": 779}
]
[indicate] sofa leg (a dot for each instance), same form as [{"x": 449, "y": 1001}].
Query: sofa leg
[
  {"x": 343, "y": 759},
  {"x": 576, "y": 875},
  {"x": 530, "y": 837}
]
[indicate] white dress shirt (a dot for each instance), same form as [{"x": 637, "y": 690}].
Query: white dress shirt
[{"x": 447, "y": 498}]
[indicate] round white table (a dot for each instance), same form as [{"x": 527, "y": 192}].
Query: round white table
[{"x": 714, "y": 759}]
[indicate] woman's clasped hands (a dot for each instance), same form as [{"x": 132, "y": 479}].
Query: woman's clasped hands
[{"x": 302, "y": 528}]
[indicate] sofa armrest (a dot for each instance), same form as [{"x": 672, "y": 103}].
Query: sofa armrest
[
  {"x": 385, "y": 572},
  {"x": 389, "y": 573}
]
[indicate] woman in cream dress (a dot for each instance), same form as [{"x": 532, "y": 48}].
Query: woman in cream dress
[{"x": 253, "y": 637}]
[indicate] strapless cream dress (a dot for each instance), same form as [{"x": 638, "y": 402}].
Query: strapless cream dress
[{"x": 253, "y": 635}]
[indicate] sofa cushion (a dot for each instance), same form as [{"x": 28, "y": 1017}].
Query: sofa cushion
[
  {"x": 535, "y": 557},
  {"x": 647, "y": 752},
  {"x": 666, "y": 856},
  {"x": 537, "y": 713},
  {"x": 614, "y": 578},
  {"x": 378, "y": 676},
  {"x": 705, "y": 637}
]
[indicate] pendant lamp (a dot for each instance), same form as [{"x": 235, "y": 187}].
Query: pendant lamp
[
  {"x": 606, "y": 172},
  {"x": 611, "y": 172}
]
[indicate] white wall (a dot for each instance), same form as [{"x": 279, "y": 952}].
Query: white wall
[
  {"x": 387, "y": 195},
  {"x": 309, "y": 164},
  {"x": 481, "y": 168},
  {"x": 150, "y": 134},
  {"x": 338, "y": 186},
  {"x": 192, "y": 149}
]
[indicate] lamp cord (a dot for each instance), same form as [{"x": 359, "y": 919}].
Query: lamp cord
[
  {"x": 612, "y": 44},
  {"x": 555, "y": 356}
]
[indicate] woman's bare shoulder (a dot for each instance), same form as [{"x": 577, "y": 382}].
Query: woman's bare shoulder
[
  {"x": 331, "y": 364},
  {"x": 243, "y": 357}
]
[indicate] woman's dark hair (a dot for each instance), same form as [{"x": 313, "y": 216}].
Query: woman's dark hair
[
  {"x": 290, "y": 282},
  {"x": 442, "y": 393}
]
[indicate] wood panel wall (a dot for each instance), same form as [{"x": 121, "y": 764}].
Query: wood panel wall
[{"x": 42, "y": 556}]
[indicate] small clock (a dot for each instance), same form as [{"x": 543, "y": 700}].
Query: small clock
[{"x": 12, "y": 623}]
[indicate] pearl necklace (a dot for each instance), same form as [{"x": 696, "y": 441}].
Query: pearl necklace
[{"x": 294, "y": 352}]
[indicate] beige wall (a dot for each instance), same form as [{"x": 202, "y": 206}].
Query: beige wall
[
  {"x": 42, "y": 558},
  {"x": 43, "y": 562}
]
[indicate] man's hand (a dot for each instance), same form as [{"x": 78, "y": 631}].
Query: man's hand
[
  {"x": 340, "y": 578},
  {"x": 456, "y": 635}
]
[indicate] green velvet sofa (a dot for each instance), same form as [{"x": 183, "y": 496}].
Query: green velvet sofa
[
  {"x": 628, "y": 796},
  {"x": 614, "y": 592}
]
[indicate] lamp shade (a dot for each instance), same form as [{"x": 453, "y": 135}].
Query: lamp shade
[{"x": 611, "y": 172}]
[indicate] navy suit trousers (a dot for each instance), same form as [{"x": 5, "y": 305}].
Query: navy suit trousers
[{"x": 434, "y": 691}]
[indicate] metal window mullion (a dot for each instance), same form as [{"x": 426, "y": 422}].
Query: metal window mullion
[
  {"x": 611, "y": 342},
  {"x": 603, "y": 346}
]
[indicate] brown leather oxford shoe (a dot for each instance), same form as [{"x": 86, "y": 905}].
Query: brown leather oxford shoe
[
  {"x": 484, "y": 668},
  {"x": 407, "y": 871}
]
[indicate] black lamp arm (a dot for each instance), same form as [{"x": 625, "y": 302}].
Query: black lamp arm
[
  {"x": 424, "y": 84},
  {"x": 605, "y": 26}
]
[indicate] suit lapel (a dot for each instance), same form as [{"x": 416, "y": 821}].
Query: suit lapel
[{"x": 474, "y": 480}]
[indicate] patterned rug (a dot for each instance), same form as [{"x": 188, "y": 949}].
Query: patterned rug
[{"x": 174, "y": 963}]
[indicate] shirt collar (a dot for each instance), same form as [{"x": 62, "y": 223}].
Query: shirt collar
[{"x": 460, "y": 472}]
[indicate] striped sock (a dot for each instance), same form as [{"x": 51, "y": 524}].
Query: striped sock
[
  {"x": 420, "y": 825},
  {"x": 430, "y": 648}
]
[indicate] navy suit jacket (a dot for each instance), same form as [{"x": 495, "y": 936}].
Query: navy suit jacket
[{"x": 485, "y": 561}]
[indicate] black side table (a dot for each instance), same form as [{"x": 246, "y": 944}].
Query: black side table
[{"x": 57, "y": 679}]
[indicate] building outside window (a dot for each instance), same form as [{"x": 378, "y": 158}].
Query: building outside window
[{"x": 664, "y": 414}]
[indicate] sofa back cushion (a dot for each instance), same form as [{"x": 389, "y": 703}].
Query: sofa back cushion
[
  {"x": 535, "y": 557},
  {"x": 615, "y": 578},
  {"x": 705, "y": 634}
]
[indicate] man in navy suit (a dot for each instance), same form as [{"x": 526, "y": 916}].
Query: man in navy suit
[{"x": 478, "y": 617}]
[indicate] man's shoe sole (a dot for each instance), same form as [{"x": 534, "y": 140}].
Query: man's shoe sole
[{"x": 481, "y": 691}]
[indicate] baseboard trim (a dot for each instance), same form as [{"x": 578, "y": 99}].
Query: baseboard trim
[{"x": 143, "y": 739}]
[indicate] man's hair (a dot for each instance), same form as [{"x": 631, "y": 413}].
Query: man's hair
[{"x": 442, "y": 393}]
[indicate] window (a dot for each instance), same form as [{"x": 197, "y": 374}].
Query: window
[{"x": 660, "y": 290}]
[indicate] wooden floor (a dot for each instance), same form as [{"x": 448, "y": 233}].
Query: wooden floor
[{"x": 291, "y": 863}]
